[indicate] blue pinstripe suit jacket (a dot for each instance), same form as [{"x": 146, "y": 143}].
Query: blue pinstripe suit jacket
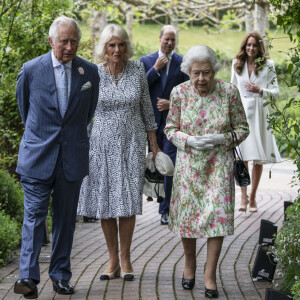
[{"x": 46, "y": 132}]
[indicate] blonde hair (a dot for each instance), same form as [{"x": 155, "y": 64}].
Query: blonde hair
[{"x": 108, "y": 32}]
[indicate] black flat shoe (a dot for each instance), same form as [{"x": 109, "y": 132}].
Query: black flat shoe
[
  {"x": 27, "y": 287},
  {"x": 211, "y": 293},
  {"x": 63, "y": 287},
  {"x": 188, "y": 284}
]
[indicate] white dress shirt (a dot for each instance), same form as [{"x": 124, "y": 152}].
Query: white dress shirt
[{"x": 169, "y": 59}]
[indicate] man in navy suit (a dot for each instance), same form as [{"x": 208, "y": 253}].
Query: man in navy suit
[
  {"x": 57, "y": 95},
  {"x": 163, "y": 73}
]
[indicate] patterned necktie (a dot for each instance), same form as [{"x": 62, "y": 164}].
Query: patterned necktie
[
  {"x": 163, "y": 75},
  {"x": 62, "y": 90}
]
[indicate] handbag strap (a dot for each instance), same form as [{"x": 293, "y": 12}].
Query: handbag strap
[{"x": 237, "y": 154}]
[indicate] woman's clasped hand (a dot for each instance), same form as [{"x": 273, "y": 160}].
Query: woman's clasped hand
[{"x": 205, "y": 142}]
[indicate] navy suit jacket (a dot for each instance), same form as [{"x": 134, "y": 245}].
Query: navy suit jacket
[
  {"x": 46, "y": 132},
  {"x": 175, "y": 77}
]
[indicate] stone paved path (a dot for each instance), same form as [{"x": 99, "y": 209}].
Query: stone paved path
[{"x": 157, "y": 255}]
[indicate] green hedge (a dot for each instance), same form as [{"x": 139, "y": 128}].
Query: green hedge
[
  {"x": 11, "y": 197},
  {"x": 10, "y": 236}
]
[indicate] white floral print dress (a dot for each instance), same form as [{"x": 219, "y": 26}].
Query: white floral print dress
[
  {"x": 124, "y": 113},
  {"x": 202, "y": 202}
]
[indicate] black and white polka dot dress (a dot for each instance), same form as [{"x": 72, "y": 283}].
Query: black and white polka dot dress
[{"x": 124, "y": 112}]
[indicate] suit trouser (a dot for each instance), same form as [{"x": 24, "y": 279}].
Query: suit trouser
[
  {"x": 168, "y": 148},
  {"x": 64, "y": 208}
]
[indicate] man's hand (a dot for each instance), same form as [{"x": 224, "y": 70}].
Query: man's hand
[
  {"x": 160, "y": 63},
  {"x": 162, "y": 104}
]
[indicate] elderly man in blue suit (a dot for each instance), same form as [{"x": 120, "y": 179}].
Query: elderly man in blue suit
[
  {"x": 57, "y": 94},
  {"x": 163, "y": 73}
]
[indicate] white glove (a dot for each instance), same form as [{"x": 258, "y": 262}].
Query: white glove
[
  {"x": 200, "y": 142},
  {"x": 216, "y": 139}
]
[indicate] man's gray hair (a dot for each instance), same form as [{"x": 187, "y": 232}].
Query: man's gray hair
[
  {"x": 117, "y": 31},
  {"x": 63, "y": 21},
  {"x": 200, "y": 53}
]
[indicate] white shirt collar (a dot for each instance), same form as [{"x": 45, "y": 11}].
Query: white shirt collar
[
  {"x": 169, "y": 55},
  {"x": 56, "y": 63}
]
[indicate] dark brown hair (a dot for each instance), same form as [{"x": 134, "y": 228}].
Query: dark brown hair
[{"x": 241, "y": 57}]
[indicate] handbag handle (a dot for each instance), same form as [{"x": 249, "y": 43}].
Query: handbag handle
[{"x": 237, "y": 154}]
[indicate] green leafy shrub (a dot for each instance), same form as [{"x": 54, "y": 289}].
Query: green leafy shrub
[
  {"x": 11, "y": 197},
  {"x": 287, "y": 247},
  {"x": 287, "y": 251},
  {"x": 296, "y": 290},
  {"x": 9, "y": 236}
]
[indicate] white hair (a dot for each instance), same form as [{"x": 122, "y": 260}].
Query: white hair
[
  {"x": 63, "y": 21},
  {"x": 117, "y": 31},
  {"x": 199, "y": 53}
]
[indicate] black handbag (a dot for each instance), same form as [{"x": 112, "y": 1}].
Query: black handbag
[
  {"x": 157, "y": 180},
  {"x": 240, "y": 172}
]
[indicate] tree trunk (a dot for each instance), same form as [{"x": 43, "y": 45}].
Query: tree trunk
[
  {"x": 260, "y": 16},
  {"x": 129, "y": 20},
  {"x": 261, "y": 19},
  {"x": 248, "y": 21},
  {"x": 99, "y": 21},
  {"x": 174, "y": 23}
]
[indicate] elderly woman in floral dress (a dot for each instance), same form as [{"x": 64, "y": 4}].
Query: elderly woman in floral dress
[{"x": 203, "y": 113}]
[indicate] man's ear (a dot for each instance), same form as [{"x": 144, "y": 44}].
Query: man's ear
[{"x": 50, "y": 42}]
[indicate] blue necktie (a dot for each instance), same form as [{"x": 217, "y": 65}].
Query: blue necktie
[
  {"x": 62, "y": 90},
  {"x": 163, "y": 75}
]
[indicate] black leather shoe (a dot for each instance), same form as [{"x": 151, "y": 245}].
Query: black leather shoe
[
  {"x": 164, "y": 219},
  {"x": 211, "y": 293},
  {"x": 27, "y": 287},
  {"x": 63, "y": 287},
  {"x": 188, "y": 284},
  {"x": 31, "y": 295}
]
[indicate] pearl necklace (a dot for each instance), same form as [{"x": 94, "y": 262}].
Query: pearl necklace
[{"x": 119, "y": 76}]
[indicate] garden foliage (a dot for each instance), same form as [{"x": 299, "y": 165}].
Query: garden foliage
[
  {"x": 9, "y": 236},
  {"x": 287, "y": 252},
  {"x": 287, "y": 242},
  {"x": 11, "y": 197},
  {"x": 11, "y": 215}
]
